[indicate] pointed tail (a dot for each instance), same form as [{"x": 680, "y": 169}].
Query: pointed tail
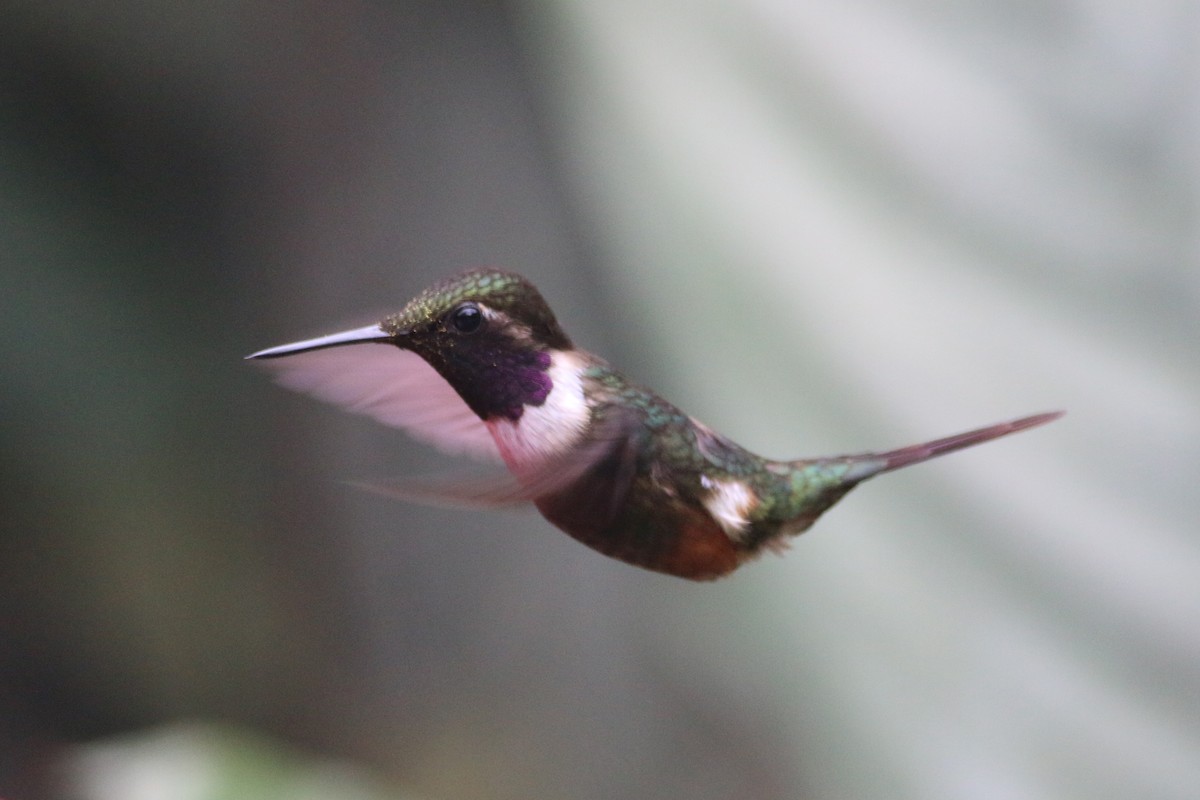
[{"x": 868, "y": 464}]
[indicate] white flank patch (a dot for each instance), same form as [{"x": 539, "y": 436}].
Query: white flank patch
[
  {"x": 552, "y": 428},
  {"x": 730, "y": 504}
]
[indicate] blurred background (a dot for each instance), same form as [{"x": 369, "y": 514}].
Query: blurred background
[{"x": 818, "y": 227}]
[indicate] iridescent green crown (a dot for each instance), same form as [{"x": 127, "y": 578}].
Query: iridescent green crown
[{"x": 502, "y": 291}]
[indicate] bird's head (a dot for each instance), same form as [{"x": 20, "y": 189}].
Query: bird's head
[{"x": 487, "y": 332}]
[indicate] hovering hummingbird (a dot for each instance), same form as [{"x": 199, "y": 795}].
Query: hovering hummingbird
[{"x": 478, "y": 364}]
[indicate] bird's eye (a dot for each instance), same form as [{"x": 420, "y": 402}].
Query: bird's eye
[{"x": 466, "y": 318}]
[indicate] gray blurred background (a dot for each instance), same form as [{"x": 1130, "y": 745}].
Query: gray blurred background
[{"x": 817, "y": 227}]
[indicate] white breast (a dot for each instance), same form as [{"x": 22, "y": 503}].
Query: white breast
[{"x": 552, "y": 428}]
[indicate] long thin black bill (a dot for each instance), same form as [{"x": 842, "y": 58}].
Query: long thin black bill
[{"x": 371, "y": 333}]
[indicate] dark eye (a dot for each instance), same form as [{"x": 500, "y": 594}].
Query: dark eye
[{"x": 466, "y": 318}]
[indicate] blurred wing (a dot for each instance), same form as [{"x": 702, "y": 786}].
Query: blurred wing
[
  {"x": 465, "y": 490},
  {"x": 595, "y": 475},
  {"x": 395, "y": 387}
]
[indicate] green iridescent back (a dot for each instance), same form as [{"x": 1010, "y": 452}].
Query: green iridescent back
[{"x": 789, "y": 492}]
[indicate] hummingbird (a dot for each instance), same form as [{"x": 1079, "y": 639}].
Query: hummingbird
[{"x": 477, "y": 364}]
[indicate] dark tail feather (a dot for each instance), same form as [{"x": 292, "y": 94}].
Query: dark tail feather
[{"x": 868, "y": 464}]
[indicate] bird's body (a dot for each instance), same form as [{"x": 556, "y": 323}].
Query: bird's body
[{"x": 605, "y": 460}]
